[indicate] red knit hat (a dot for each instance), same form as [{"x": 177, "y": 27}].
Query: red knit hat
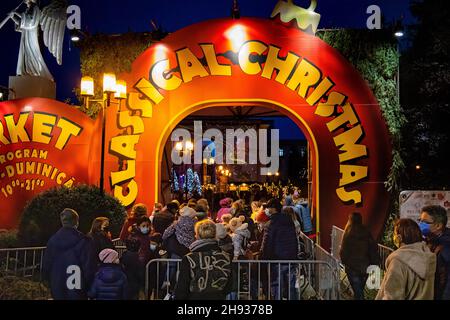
[{"x": 261, "y": 217}]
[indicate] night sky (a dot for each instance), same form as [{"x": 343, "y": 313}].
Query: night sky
[{"x": 118, "y": 16}]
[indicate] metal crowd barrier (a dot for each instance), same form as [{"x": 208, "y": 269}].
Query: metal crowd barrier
[
  {"x": 27, "y": 262},
  {"x": 23, "y": 262},
  {"x": 336, "y": 239},
  {"x": 383, "y": 252},
  {"x": 256, "y": 280},
  {"x": 309, "y": 246}
]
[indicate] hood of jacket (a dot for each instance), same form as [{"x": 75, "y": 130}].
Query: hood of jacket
[
  {"x": 110, "y": 273},
  {"x": 418, "y": 257},
  {"x": 67, "y": 238},
  {"x": 204, "y": 245}
]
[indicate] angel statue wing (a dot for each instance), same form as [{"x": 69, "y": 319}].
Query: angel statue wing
[{"x": 53, "y": 25}]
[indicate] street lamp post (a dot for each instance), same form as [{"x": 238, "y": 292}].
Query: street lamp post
[{"x": 110, "y": 87}]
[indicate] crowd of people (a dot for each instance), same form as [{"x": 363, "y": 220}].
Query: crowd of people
[
  {"x": 188, "y": 231},
  {"x": 79, "y": 266}
]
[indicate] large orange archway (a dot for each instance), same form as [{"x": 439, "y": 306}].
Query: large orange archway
[{"x": 256, "y": 62}]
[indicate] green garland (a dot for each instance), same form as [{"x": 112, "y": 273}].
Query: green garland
[{"x": 374, "y": 54}]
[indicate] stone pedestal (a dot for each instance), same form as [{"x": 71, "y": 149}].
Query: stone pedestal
[{"x": 31, "y": 86}]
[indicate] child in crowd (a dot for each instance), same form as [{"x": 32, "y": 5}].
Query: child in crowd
[
  {"x": 142, "y": 234},
  {"x": 240, "y": 236},
  {"x": 132, "y": 268},
  {"x": 139, "y": 210},
  {"x": 110, "y": 282}
]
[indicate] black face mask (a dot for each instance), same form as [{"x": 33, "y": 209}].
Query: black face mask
[{"x": 106, "y": 229}]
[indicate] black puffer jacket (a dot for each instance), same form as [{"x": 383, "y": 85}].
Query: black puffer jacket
[
  {"x": 280, "y": 239},
  {"x": 205, "y": 273}
]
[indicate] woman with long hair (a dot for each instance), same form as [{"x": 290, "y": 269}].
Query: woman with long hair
[
  {"x": 358, "y": 251},
  {"x": 100, "y": 235}
]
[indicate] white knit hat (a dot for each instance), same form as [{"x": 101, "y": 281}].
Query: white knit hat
[
  {"x": 221, "y": 231},
  {"x": 188, "y": 212}
]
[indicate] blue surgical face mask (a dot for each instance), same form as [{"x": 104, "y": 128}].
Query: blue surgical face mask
[
  {"x": 425, "y": 228},
  {"x": 144, "y": 230}
]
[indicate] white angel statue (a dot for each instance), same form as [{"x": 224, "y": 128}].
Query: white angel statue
[{"x": 52, "y": 20}]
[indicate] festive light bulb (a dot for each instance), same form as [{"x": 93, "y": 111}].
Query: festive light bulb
[
  {"x": 87, "y": 86},
  {"x": 109, "y": 83},
  {"x": 121, "y": 90}
]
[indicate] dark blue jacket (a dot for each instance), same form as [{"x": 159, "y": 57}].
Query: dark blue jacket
[
  {"x": 304, "y": 214},
  {"x": 69, "y": 247},
  {"x": 441, "y": 246},
  {"x": 280, "y": 239},
  {"x": 110, "y": 283}
]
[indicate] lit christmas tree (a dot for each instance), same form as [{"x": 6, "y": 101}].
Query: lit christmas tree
[
  {"x": 190, "y": 183},
  {"x": 197, "y": 185},
  {"x": 175, "y": 186}
]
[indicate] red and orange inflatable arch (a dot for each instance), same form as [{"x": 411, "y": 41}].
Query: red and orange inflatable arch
[{"x": 221, "y": 62}]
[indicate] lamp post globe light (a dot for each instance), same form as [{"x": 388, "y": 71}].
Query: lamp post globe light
[{"x": 110, "y": 87}]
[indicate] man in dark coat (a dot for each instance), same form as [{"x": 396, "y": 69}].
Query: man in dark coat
[
  {"x": 69, "y": 264},
  {"x": 433, "y": 224},
  {"x": 280, "y": 243},
  {"x": 280, "y": 238}
]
